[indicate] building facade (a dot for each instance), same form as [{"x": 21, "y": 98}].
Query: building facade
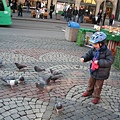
[{"x": 110, "y": 6}]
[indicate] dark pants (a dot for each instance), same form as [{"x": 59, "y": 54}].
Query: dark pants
[
  {"x": 95, "y": 87},
  {"x": 19, "y": 13},
  {"x": 111, "y": 22},
  {"x": 50, "y": 14},
  {"x": 103, "y": 22}
]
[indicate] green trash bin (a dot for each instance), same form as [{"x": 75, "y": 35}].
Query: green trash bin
[
  {"x": 82, "y": 34},
  {"x": 117, "y": 58},
  {"x": 81, "y": 38}
]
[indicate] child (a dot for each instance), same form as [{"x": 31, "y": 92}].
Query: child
[{"x": 102, "y": 60}]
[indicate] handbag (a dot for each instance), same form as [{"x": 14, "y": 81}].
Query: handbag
[{"x": 113, "y": 22}]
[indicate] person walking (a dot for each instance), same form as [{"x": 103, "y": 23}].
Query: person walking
[
  {"x": 51, "y": 10},
  {"x": 64, "y": 11},
  {"x": 75, "y": 13},
  {"x": 27, "y": 6},
  {"x": 102, "y": 59},
  {"x": 81, "y": 13},
  {"x": 111, "y": 19},
  {"x": 14, "y": 6},
  {"x": 104, "y": 17},
  {"x": 69, "y": 14},
  {"x": 20, "y": 6},
  {"x": 99, "y": 15}
]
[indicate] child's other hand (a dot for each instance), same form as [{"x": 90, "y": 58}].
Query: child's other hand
[
  {"x": 96, "y": 61},
  {"x": 82, "y": 59}
]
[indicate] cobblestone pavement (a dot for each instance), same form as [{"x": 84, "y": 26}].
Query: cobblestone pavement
[{"x": 26, "y": 103}]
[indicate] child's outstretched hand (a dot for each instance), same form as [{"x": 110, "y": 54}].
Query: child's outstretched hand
[{"x": 82, "y": 59}]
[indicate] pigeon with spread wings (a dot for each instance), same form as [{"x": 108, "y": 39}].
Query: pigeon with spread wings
[{"x": 42, "y": 85}]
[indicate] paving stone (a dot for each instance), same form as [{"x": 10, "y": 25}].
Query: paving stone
[
  {"x": 31, "y": 116},
  {"x": 6, "y": 99},
  {"x": 39, "y": 115},
  {"x": 2, "y": 110},
  {"x": 14, "y": 116},
  {"x": 8, "y": 118},
  {"x": 21, "y": 108},
  {"x": 47, "y": 114},
  {"x": 1, "y": 117},
  {"x": 22, "y": 113},
  {"x": 24, "y": 118},
  {"x": 12, "y": 111},
  {"x": 26, "y": 107},
  {"x": 29, "y": 111},
  {"x": 5, "y": 114},
  {"x": 35, "y": 110},
  {"x": 13, "y": 106},
  {"x": 6, "y": 103}
]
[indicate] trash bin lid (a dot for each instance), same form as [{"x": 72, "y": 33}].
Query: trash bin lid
[{"x": 73, "y": 25}]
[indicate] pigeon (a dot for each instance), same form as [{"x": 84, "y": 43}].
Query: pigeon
[
  {"x": 21, "y": 79},
  {"x": 55, "y": 77},
  {"x": 13, "y": 82},
  {"x": 42, "y": 85},
  {"x": 53, "y": 72},
  {"x": 20, "y": 66},
  {"x": 58, "y": 107},
  {"x": 37, "y": 69}
]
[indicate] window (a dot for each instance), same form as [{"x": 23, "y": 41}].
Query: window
[{"x": 1, "y": 6}]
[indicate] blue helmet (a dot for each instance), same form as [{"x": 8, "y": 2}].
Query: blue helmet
[{"x": 98, "y": 37}]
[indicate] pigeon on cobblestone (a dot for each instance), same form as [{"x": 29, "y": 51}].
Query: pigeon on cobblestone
[
  {"x": 53, "y": 72},
  {"x": 58, "y": 107},
  {"x": 13, "y": 81},
  {"x": 37, "y": 69},
  {"x": 42, "y": 85},
  {"x": 21, "y": 67}
]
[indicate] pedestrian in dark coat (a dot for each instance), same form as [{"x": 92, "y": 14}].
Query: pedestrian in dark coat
[
  {"x": 104, "y": 17},
  {"x": 75, "y": 13},
  {"x": 51, "y": 10},
  {"x": 99, "y": 15},
  {"x": 102, "y": 59},
  {"x": 81, "y": 13},
  {"x": 14, "y": 7},
  {"x": 20, "y": 7},
  {"x": 69, "y": 14}
]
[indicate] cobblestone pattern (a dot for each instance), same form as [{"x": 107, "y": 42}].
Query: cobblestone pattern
[{"x": 26, "y": 103}]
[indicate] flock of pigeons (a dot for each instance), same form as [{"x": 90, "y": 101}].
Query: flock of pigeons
[{"x": 42, "y": 85}]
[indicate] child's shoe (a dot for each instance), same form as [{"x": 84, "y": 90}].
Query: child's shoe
[
  {"x": 85, "y": 94},
  {"x": 95, "y": 101}
]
